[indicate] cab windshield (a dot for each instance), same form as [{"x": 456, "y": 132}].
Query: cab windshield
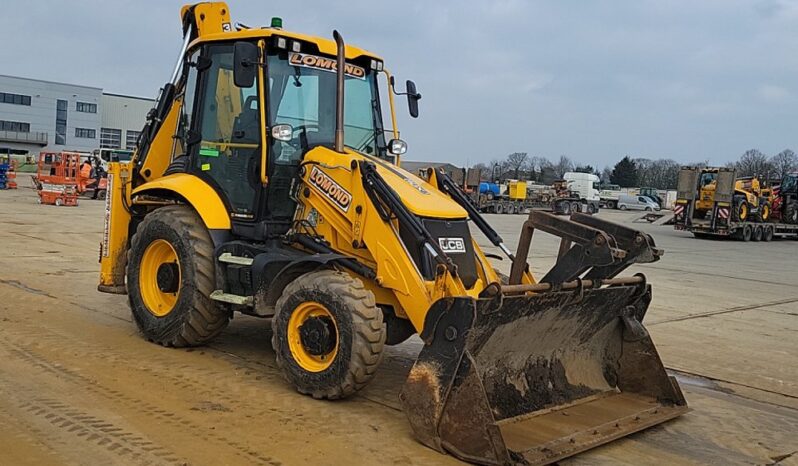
[{"x": 301, "y": 93}]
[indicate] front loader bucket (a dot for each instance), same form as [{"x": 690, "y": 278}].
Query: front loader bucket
[{"x": 531, "y": 379}]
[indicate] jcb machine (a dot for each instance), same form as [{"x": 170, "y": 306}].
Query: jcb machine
[
  {"x": 254, "y": 190},
  {"x": 715, "y": 202}
]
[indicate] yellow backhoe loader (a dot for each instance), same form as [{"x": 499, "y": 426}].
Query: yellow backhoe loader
[{"x": 265, "y": 183}]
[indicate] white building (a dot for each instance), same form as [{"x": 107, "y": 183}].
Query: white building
[
  {"x": 38, "y": 115},
  {"x": 122, "y": 120}
]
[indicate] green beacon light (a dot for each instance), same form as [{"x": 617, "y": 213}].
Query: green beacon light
[{"x": 277, "y": 22}]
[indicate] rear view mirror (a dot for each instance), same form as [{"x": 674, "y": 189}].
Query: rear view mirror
[
  {"x": 412, "y": 98},
  {"x": 245, "y": 62}
]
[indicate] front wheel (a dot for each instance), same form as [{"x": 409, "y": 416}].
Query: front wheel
[
  {"x": 170, "y": 277},
  {"x": 328, "y": 334}
]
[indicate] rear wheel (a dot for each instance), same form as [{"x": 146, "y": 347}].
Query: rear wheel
[
  {"x": 746, "y": 234},
  {"x": 623, "y": 207},
  {"x": 170, "y": 274},
  {"x": 756, "y": 235},
  {"x": 566, "y": 208},
  {"x": 791, "y": 213},
  {"x": 767, "y": 234},
  {"x": 611, "y": 205},
  {"x": 328, "y": 334}
]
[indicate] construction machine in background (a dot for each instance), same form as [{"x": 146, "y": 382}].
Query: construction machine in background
[
  {"x": 8, "y": 172},
  {"x": 716, "y": 202},
  {"x": 57, "y": 178},
  {"x": 784, "y": 199},
  {"x": 239, "y": 199}
]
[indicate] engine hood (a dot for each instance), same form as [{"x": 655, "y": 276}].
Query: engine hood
[{"x": 418, "y": 196}]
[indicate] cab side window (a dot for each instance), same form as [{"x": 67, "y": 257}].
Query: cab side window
[{"x": 229, "y": 125}]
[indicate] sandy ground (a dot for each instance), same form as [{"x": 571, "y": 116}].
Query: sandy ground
[{"x": 78, "y": 385}]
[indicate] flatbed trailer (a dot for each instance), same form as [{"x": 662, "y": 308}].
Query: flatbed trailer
[
  {"x": 716, "y": 217},
  {"x": 522, "y": 206},
  {"x": 744, "y": 231}
]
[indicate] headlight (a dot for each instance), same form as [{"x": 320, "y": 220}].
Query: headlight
[
  {"x": 282, "y": 132},
  {"x": 397, "y": 147}
]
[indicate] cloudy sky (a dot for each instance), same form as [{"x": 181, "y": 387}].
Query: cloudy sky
[{"x": 594, "y": 80}]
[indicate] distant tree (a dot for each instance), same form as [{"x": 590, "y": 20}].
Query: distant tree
[
  {"x": 535, "y": 167},
  {"x": 643, "y": 166},
  {"x": 483, "y": 170},
  {"x": 563, "y": 166},
  {"x": 754, "y": 163},
  {"x": 784, "y": 162},
  {"x": 606, "y": 175},
  {"x": 516, "y": 162},
  {"x": 625, "y": 173},
  {"x": 584, "y": 169}
]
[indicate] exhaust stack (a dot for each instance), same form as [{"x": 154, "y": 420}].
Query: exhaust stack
[{"x": 339, "y": 93}]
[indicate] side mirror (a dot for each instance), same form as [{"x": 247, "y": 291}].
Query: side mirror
[
  {"x": 245, "y": 64},
  {"x": 412, "y": 98}
]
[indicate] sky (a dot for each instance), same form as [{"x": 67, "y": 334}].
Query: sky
[{"x": 593, "y": 80}]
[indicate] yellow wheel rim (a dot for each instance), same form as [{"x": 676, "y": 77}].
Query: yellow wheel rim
[
  {"x": 159, "y": 293},
  {"x": 743, "y": 211},
  {"x": 302, "y": 355},
  {"x": 765, "y": 212}
]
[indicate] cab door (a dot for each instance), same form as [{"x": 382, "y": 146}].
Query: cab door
[{"x": 228, "y": 129}]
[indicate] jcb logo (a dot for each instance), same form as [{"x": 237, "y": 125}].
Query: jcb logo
[{"x": 455, "y": 245}]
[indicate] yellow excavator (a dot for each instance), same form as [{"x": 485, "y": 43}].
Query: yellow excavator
[{"x": 266, "y": 183}]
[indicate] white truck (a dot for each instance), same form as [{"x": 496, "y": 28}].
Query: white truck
[{"x": 585, "y": 187}]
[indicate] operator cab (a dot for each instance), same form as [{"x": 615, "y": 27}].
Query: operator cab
[{"x": 238, "y": 95}]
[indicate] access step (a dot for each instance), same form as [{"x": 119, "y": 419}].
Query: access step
[
  {"x": 223, "y": 297},
  {"x": 228, "y": 258}
]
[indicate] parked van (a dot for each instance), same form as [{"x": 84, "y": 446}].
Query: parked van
[{"x": 627, "y": 202}]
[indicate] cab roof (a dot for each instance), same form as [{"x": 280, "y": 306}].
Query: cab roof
[{"x": 213, "y": 24}]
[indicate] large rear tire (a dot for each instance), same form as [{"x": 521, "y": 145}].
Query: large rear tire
[
  {"x": 791, "y": 213},
  {"x": 170, "y": 276},
  {"x": 328, "y": 334}
]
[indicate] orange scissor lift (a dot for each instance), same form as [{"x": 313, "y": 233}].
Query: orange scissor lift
[{"x": 57, "y": 178}]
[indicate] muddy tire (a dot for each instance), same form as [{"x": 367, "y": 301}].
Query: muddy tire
[
  {"x": 189, "y": 317},
  {"x": 328, "y": 334}
]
